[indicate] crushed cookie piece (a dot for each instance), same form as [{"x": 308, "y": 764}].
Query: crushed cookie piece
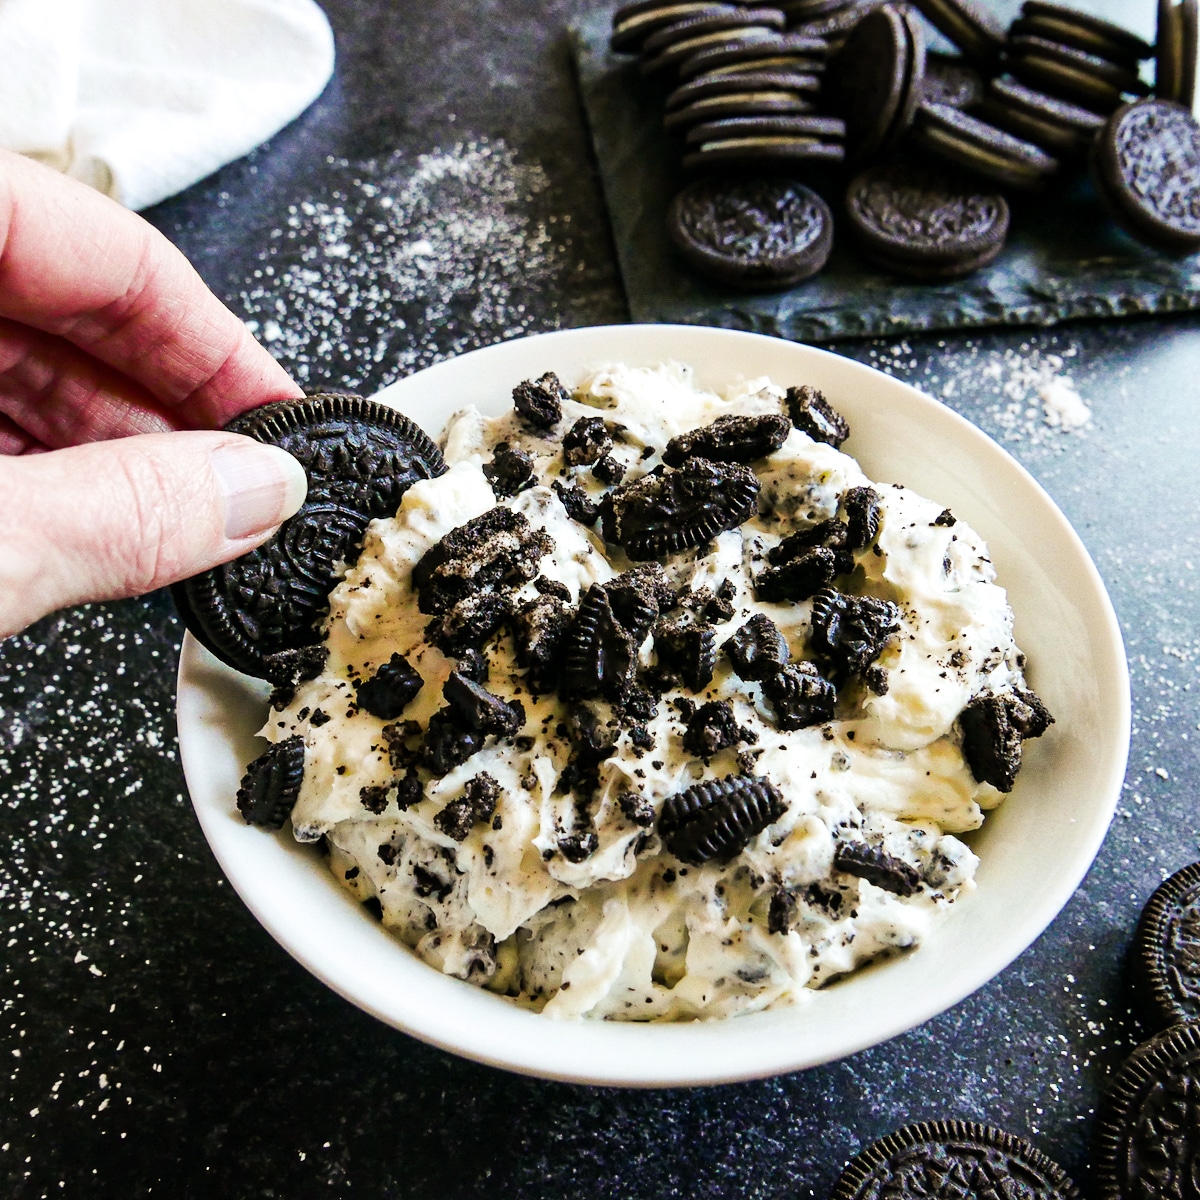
[
  {"x": 687, "y": 651},
  {"x": 660, "y": 514},
  {"x": 863, "y": 512},
  {"x": 730, "y": 439},
  {"x": 800, "y": 578},
  {"x": 717, "y": 819},
  {"x": 374, "y": 798},
  {"x": 539, "y": 402},
  {"x": 851, "y": 631},
  {"x": 609, "y": 470},
  {"x": 799, "y": 696},
  {"x": 876, "y": 866},
  {"x": 388, "y": 692},
  {"x": 712, "y": 728},
  {"x": 510, "y": 471},
  {"x": 757, "y": 649},
  {"x": 994, "y": 727},
  {"x": 579, "y": 505},
  {"x": 586, "y": 442}
]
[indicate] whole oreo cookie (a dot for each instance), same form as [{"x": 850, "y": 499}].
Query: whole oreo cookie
[
  {"x": 360, "y": 458},
  {"x": 1166, "y": 952},
  {"x": 964, "y": 141},
  {"x": 879, "y": 81},
  {"x": 948, "y": 1160},
  {"x": 925, "y": 224},
  {"x": 1072, "y": 74},
  {"x": 1057, "y": 126},
  {"x": 1147, "y": 167},
  {"x": 1149, "y": 1140},
  {"x": 752, "y": 232},
  {"x": 764, "y": 142},
  {"x": 1082, "y": 31}
]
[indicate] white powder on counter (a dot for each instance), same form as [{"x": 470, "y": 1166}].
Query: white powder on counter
[{"x": 402, "y": 264}]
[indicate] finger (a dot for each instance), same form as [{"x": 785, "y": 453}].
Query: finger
[
  {"x": 60, "y": 396},
  {"x": 115, "y": 519},
  {"x": 76, "y": 264},
  {"x": 14, "y": 439}
]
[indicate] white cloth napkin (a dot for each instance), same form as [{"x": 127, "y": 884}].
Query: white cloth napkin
[{"x": 141, "y": 98}]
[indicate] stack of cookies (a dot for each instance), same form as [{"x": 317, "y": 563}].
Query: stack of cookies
[{"x": 766, "y": 100}]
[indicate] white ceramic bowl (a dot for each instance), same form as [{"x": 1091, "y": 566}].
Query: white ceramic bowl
[{"x": 1034, "y": 849}]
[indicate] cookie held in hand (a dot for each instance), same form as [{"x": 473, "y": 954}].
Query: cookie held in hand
[{"x": 360, "y": 457}]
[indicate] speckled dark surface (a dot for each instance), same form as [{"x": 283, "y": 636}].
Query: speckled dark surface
[{"x": 155, "y": 1041}]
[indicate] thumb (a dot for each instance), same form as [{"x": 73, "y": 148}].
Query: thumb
[{"x": 113, "y": 519}]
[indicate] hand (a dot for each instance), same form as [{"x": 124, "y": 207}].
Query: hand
[{"x": 117, "y": 365}]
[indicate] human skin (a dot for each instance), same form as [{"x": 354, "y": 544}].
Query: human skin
[{"x": 117, "y": 369}]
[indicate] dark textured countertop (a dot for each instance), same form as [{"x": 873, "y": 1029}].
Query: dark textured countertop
[{"x": 156, "y": 1041}]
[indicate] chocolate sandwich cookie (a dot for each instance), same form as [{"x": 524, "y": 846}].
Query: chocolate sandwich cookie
[
  {"x": 964, "y": 141},
  {"x": 1081, "y": 31},
  {"x": 1176, "y": 50},
  {"x": 878, "y": 86},
  {"x": 925, "y": 224},
  {"x": 970, "y": 25},
  {"x": 1147, "y": 168},
  {"x": 633, "y": 23},
  {"x": 705, "y": 87},
  {"x": 764, "y": 142},
  {"x": 1166, "y": 952},
  {"x": 1071, "y": 74},
  {"x": 258, "y": 612},
  {"x": 950, "y": 1159},
  {"x": 1149, "y": 1135},
  {"x": 951, "y": 80},
  {"x": 777, "y": 52},
  {"x": 758, "y": 103},
  {"x": 1058, "y": 127},
  {"x": 756, "y": 233},
  {"x": 665, "y": 49}
]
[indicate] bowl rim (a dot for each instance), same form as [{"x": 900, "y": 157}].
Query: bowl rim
[{"x": 372, "y": 970}]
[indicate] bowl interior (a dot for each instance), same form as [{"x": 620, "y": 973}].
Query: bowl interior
[{"x": 1034, "y": 849}]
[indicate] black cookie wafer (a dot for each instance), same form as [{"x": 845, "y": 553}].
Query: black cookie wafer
[
  {"x": 1060, "y": 128},
  {"x": 1072, "y": 74},
  {"x": 1166, "y": 952},
  {"x": 1149, "y": 1135},
  {"x": 754, "y": 103},
  {"x": 706, "y": 87},
  {"x": 666, "y": 48},
  {"x": 360, "y": 457},
  {"x": 784, "y": 51},
  {"x": 972, "y": 145},
  {"x": 925, "y": 223},
  {"x": 1147, "y": 168},
  {"x": 764, "y": 142},
  {"x": 633, "y": 23},
  {"x": 878, "y": 86},
  {"x": 1081, "y": 31},
  {"x": 947, "y": 1160},
  {"x": 754, "y": 232}
]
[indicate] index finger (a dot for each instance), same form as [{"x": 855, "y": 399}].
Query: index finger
[{"x": 76, "y": 264}]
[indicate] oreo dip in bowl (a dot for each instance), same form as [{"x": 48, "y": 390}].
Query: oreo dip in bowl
[{"x": 734, "y": 752}]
